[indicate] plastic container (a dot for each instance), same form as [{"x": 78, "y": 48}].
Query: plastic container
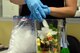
[{"x": 48, "y": 39}]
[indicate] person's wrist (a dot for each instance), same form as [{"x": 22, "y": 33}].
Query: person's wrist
[{"x": 49, "y": 10}]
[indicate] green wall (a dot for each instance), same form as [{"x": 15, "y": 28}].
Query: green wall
[
  {"x": 74, "y": 30},
  {"x": 5, "y": 31}
]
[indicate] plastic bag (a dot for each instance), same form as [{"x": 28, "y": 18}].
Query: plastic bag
[{"x": 23, "y": 38}]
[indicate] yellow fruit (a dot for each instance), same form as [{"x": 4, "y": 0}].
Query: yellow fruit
[
  {"x": 38, "y": 42},
  {"x": 55, "y": 40},
  {"x": 42, "y": 41},
  {"x": 49, "y": 34}
]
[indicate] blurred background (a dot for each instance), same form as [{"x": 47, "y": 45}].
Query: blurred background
[{"x": 8, "y": 10}]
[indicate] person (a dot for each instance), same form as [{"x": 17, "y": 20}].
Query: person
[{"x": 57, "y": 8}]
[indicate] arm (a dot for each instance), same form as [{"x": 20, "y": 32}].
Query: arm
[
  {"x": 18, "y": 2},
  {"x": 67, "y": 11}
]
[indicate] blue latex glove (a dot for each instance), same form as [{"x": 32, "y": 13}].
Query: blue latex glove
[
  {"x": 35, "y": 18},
  {"x": 36, "y": 9},
  {"x": 45, "y": 8}
]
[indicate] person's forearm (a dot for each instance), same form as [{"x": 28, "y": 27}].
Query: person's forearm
[
  {"x": 18, "y": 2},
  {"x": 63, "y": 11}
]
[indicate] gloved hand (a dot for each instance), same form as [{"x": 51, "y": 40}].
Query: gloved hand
[
  {"x": 35, "y": 18},
  {"x": 36, "y": 10},
  {"x": 45, "y": 8}
]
